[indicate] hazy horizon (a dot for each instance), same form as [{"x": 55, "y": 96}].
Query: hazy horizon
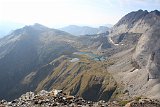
[{"x": 58, "y": 13}]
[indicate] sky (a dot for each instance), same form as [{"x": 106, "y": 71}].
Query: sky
[{"x": 58, "y": 13}]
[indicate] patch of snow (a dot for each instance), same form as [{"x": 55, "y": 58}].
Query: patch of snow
[
  {"x": 43, "y": 92},
  {"x": 74, "y": 60},
  {"x": 99, "y": 48},
  {"x": 56, "y": 91},
  {"x": 135, "y": 70}
]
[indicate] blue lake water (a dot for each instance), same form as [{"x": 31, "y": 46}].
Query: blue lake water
[{"x": 92, "y": 56}]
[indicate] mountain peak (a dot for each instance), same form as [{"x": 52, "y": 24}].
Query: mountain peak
[
  {"x": 36, "y": 26},
  {"x": 156, "y": 12},
  {"x": 132, "y": 17},
  {"x": 29, "y": 28},
  {"x": 140, "y": 10}
]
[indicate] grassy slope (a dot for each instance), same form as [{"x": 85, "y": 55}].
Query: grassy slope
[{"x": 86, "y": 78}]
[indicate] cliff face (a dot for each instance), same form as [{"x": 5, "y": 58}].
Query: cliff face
[
  {"x": 145, "y": 23},
  {"x": 147, "y": 49},
  {"x": 145, "y": 54}
]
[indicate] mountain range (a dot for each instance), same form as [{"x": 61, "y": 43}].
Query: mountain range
[
  {"x": 118, "y": 64},
  {"x": 84, "y": 30}
]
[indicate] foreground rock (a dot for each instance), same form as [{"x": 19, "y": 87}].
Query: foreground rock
[
  {"x": 49, "y": 99},
  {"x": 59, "y": 99}
]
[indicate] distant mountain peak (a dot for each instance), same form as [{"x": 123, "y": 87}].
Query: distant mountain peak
[
  {"x": 38, "y": 25},
  {"x": 84, "y": 30},
  {"x": 35, "y": 26}
]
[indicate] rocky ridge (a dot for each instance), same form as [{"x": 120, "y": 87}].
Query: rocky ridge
[{"x": 49, "y": 99}]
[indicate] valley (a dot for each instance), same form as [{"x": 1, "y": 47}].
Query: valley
[{"x": 119, "y": 65}]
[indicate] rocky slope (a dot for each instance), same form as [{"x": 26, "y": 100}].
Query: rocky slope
[
  {"x": 95, "y": 43},
  {"x": 141, "y": 67}
]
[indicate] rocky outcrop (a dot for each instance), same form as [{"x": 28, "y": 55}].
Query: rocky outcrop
[
  {"x": 52, "y": 98},
  {"x": 57, "y": 98}
]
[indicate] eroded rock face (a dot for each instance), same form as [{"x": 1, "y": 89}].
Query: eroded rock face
[
  {"x": 147, "y": 56},
  {"x": 146, "y": 53},
  {"x": 145, "y": 23}
]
